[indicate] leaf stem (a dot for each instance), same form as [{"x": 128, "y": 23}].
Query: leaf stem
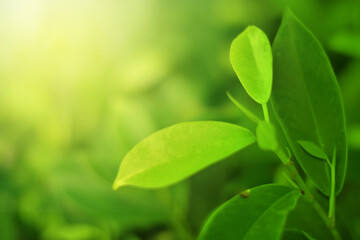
[
  {"x": 295, "y": 174},
  {"x": 310, "y": 197},
  {"x": 285, "y": 159},
  {"x": 327, "y": 221},
  {"x": 266, "y": 112},
  {"x": 332, "y": 192},
  {"x": 246, "y": 112},
  {"x": 292, "y": 183}
]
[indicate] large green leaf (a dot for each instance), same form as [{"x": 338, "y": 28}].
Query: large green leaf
[
  {"x": 176, "y": 152},
  {"x": 258, "y": 213},
  {"x": 251, "y": 58},
  {"x": 306, "y": 99}
]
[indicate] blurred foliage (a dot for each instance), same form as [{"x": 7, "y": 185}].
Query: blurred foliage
[{"x": 81, "y": 82}]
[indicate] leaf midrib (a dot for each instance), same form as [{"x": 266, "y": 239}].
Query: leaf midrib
[
  {"x": 162, "y": 164},
  {"x": 254, "y": 48},
  {"x": 313, "y": 116}
]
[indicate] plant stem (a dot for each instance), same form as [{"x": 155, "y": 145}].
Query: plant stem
[
  {"x": 247, "y": 112},
  {"x": 310, "y": 197},
  {"x": 285, "y": 159},
  {"x": 329, "y": 219},
  {"x": 266, "y": 112},
  {"x": 295, "y": 174},
  {"x": 332, "y": 192}
]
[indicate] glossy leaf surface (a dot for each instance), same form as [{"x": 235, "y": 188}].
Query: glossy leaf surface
[
  {"x": 251, "y": 58},
  {"x": 258, "y": 215},
  {"x": 306, "y": 99},
  {"x": 177, "y": 152}
]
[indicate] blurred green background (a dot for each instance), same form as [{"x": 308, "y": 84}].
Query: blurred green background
[{"x": 81, "y": 82}]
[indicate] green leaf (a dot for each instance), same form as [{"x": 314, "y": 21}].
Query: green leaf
[
  {"x": 307, "y": 101},
  {"x": 312, "y": 149},
  {"x": 251, "y": 58},
  {"x": 266, "y": 136},
  {"x": 258, "y": 215},
  {"x": 305, "y": 218},
  {"x": 296, "y": 235},
  {"x": 179, "y": 151}
]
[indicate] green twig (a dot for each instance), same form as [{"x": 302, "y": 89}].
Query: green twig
[
  {"x": 332, "y": 192},
  {"x": 293, "y": 172},
  {"x": 291, "y": 182},
  {"x": 310, "y": 197},
  {"x": 335, "y": 233},
  {"x": 246, "y": 112},
  {"x": 266, "y": 112}
]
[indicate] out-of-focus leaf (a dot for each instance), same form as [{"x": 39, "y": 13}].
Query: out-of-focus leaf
[
  {"x": 76, "y": 232},
  {"x": 251, "y": 58},
  {"x": 176, "y": 152},
  {"x": 354, "y": 137},
  {"x": 259, "y": 213},
  {"x": 7, "y": 226},
  {"x": 8, "y": 229},
  {"x": 82, "y": 190},
  {"x": 346, "y": 43},
  {"x": 266, "y": 136},
  {"x": 307, "y": 101}
]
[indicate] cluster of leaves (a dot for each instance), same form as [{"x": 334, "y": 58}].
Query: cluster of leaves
[{"x": 294, "y": 83}]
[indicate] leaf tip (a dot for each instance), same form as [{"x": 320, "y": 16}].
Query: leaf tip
[
  {"x": 229, "y": 94},
  {"x": 288, "y": 12}
]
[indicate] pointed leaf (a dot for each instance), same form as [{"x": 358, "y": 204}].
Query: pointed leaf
[
  {"x": 251, "y": 58},
  {"x": 312, "y": 149},
  {"x": 259, "y": 215},
  {"x": 307, "y": 101},
  {"x": 179, "y": 151}
]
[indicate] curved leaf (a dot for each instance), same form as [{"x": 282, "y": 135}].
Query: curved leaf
[
  {"x": 179, "y": 151},
  {"x": 251, "y": 58},
  {"x": 307, "y": 102},
  {"x": 259, "y": 214}
]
